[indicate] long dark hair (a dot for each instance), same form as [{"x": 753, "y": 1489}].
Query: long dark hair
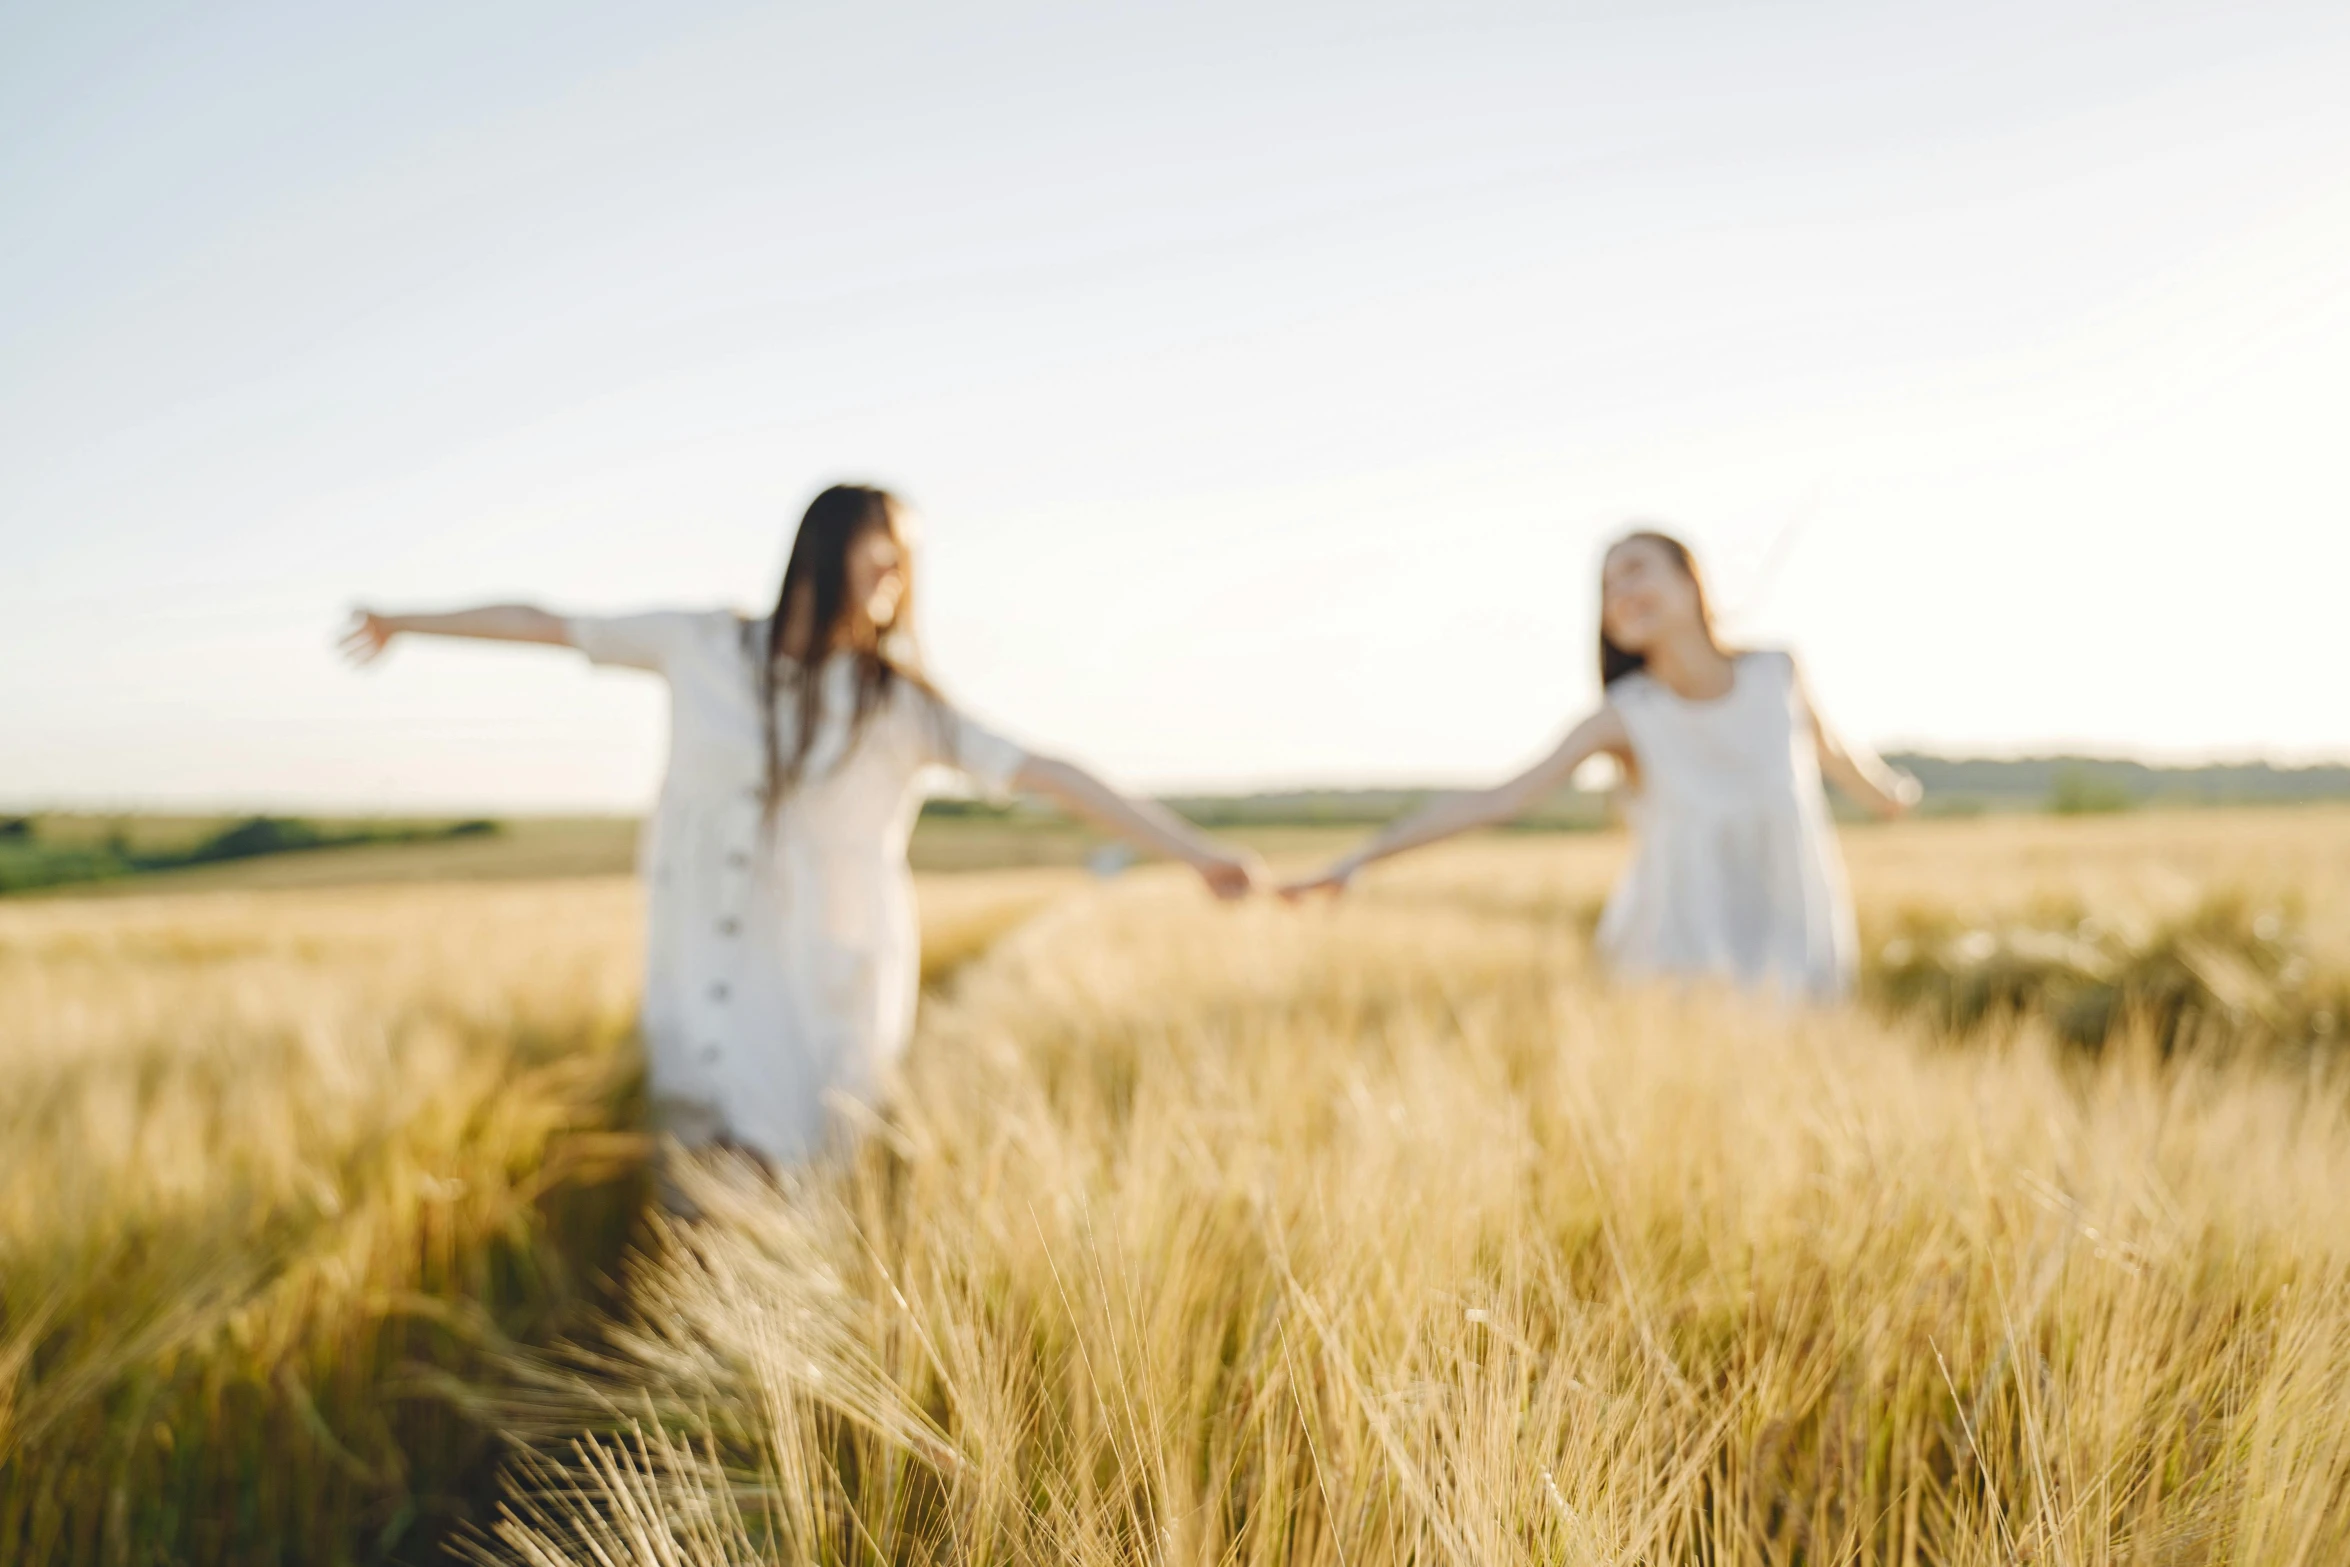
[
  {"x": 1615, "y": 662},
  {"x": 813, "y": 609}
]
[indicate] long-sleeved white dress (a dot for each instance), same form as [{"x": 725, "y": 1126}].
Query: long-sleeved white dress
[
  {"x": 782, "y": 957},
  {"x": 1735, "y": 873}
]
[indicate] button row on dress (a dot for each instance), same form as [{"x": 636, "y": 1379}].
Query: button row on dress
[{"x": 729, "y": 925}]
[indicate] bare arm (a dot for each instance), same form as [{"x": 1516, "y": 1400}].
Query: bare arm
[
  {"x": 371, "y": 632},
  {"x": 1450, "y": 814},
  {"x": 1144, "y": 823},
  {"x": 1859, "y": 772}
]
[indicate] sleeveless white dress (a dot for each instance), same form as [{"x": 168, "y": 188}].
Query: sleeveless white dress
[{"x": 1735, "y": 874}]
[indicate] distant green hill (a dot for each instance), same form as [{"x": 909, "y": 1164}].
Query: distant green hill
[
  {"x": 1954, "y": 785},
  {"x": 53, "y": 851},
  {"x": 2090, "y": 782}
]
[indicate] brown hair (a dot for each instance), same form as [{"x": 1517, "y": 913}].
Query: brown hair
[
  {"x": 813, "y": 606},
  {"x": 1615, "y": 662}
]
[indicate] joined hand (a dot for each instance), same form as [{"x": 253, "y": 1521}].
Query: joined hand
[
  {"x": 1331, "y": 881},
  {"x": 1230, "y": 874}
]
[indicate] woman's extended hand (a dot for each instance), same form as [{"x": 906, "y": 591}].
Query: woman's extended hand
[
  {"x": 1902, "y": 794},
  {"x": 368, "y": 634},
  {"x": 1229, "y": 873},
  {"x": 1332, "y": 879}
]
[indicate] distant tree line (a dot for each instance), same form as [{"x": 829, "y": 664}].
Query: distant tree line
[
  {"x": 31, "y": 857},
  {"x": 2077, "y": 784},
  {"x": 2068, "y": 785}
]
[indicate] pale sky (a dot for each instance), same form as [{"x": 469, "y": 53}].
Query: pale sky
[{"x": 1269, "y": 376}]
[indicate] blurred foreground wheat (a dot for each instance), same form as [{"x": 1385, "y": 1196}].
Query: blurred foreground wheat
[
  {"x": 282, "y": 1174},
  {"x": 1361, "y": 1234},
  {"x": 263, "y": 1161},
  {"x": 1386, "y": 1234}
]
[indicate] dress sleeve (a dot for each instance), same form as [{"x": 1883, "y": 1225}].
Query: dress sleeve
[
  {"x": 962, "y": 742},
  {"x": 650, "y": 641}
]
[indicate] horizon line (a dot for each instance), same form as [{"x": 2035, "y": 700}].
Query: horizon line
[{"x": 437, "y": 807}]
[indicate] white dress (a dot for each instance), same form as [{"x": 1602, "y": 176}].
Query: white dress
[
  {"x": 782, "y": 958},
  {"x": 1735, "y": 873}
]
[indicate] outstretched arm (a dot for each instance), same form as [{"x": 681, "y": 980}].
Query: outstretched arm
[
  {"x": 1146, "y": 824},
  {"x": 371, "y": 632},
  {"x": 1858, "y": 771},
  {"x": 1450, "y": 814}
]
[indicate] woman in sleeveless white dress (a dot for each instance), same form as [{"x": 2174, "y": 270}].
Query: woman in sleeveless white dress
[
  {"x": 1735, "y": 874},
  {"x": 781, "y": 948}
]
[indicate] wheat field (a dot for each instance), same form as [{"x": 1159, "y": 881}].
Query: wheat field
[{"x": 1370, "y": 1233}]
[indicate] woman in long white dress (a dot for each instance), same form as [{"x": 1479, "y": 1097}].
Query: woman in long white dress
[
  {"x": 1735, "y": 874},
  {"x": 782, "y": 952}
]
